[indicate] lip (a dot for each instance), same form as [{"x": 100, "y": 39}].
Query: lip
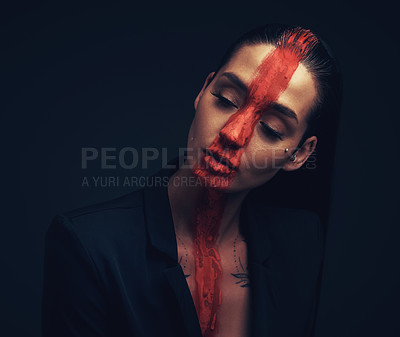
[{"x": 222, "y": 160}]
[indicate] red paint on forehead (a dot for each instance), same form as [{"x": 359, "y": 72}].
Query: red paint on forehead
[{"x": 271, "y": 79}]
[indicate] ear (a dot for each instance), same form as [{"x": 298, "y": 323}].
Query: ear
[
  {"x": 302, "y": 154},
  {"x": 206, "y": 83}
]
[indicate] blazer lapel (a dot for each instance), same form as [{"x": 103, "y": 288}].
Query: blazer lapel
[
  {"x": 178, "y": 284},
  {"x": 264, "y": 280},
  {"x": 161, "y": 231}
]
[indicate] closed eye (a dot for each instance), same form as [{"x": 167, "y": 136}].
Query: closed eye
[
  {"x": 270, "y": 131},
  {"x": 224, "y": 101}
]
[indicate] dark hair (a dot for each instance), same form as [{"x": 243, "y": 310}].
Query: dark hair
[{"x": 318, "y": 59}]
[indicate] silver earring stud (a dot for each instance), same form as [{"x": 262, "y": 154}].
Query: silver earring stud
[{"x": 286, "y": 150}]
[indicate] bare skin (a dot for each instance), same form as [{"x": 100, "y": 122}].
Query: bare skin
[{"x": 234, "y": 311}]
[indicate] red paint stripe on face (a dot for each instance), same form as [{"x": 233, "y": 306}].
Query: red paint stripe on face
[{"x": 271, "y": 78}]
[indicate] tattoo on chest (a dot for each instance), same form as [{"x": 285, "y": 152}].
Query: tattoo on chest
[
  {"x": 185, "y": 261},
  {"x": 241, "y": 273},
  {"x": 184, "y": 267}
]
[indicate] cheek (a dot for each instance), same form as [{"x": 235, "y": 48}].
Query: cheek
[
  {"x": 255, "y": 170},
  {"x": 259, "y": 163},
  {"x": 261, "y": 156}
]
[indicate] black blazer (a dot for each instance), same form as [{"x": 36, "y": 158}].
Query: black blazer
[{"x": 111, "y": 269}]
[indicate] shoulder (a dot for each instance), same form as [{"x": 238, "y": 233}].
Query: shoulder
[
  {"x": 125, "y": 202},
  {"x": 296, "y": 230},
  {"x": 298, "y": 234},
  {"x": 294, "y": 222},
  {"x": 102, "y": 226},
  {"x": 285, "y": 221}
]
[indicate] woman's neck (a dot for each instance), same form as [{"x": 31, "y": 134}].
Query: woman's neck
[{"x": 187, "y": 197}]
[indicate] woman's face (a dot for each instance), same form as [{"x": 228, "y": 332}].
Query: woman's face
[{"x": 251, "y": 137}]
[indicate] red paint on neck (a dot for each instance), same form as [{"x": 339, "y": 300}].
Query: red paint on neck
[{"x": 208, "y": 270}]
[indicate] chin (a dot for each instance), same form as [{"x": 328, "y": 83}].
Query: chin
[{"x": 213, "y": 181}]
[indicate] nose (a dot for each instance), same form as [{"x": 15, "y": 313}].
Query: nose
[{"x": 238, "y": 129}]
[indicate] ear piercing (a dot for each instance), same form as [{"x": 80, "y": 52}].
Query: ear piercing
[{"x": 292, "y": 157}]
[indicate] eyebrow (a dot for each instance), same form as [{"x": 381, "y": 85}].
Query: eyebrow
[
  {"x": 284, "y": 110},
  {"x": 236, "y": 80},
  {"x": 274, "y": 105}
]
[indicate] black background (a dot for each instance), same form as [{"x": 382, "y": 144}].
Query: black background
[{"x": 100, "y": 75}]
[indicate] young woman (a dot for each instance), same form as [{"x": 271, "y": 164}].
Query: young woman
[{"x": 196, "y": 256}]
